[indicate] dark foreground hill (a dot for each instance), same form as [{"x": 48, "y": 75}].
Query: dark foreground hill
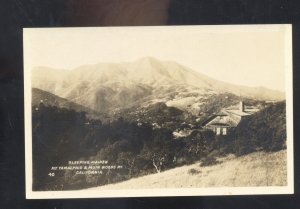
[
  {"x": 61, "y": 135},
  {"x": 265, "y": 130}
]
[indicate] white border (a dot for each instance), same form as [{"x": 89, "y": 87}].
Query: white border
[{"x": 289, "y": 189}]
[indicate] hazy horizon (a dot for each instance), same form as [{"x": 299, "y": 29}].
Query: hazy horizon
[
  {"x": 156, "y": 59},
  {"x": 251, "y": 56}
]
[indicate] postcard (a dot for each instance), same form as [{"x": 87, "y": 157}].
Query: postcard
[{"x": 158, "y": 111}]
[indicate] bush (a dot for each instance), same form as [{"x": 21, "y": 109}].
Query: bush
[{"x": 193, "y": 171}]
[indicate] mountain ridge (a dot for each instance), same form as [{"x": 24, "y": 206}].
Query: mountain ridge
[
  {"x": 49, "y": 99},
  {"x": 106, "y": 86}
]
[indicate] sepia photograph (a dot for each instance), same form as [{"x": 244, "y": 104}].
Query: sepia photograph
[{"x": 158, "y": 111}]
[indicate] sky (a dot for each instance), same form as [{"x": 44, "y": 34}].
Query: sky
[{"x": 252, "y": 55}]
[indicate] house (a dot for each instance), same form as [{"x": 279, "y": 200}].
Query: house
[{"x": 227, "y": 119}]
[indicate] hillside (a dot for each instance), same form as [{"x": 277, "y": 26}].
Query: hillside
[
  {"x": 105, "y": 87},
  {"x": 264, "y": 130},
  {"x": 256, "y": 169},
  {"x": 49, "y": 99},
  {"x": 150, "y": 115},
  {"x": 143, "y": 148}
]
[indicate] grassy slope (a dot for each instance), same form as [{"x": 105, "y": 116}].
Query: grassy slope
[{"x": 256, "y": 169}]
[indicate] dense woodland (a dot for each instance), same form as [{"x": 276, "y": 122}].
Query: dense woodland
[{"x": 61, "y": 134}]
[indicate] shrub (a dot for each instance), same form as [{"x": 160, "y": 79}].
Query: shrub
[{"x": 193, "y": 171}]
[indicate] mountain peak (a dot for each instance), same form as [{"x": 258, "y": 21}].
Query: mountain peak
[
  {"x": 100, "y": 84},
  {"x": 148, "y": 59}
]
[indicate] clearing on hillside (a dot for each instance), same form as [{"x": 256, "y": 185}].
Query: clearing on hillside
[{"x": 256, "y": 169}]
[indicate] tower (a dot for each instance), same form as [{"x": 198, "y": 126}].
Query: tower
[{"x": 241, "y": 106}]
